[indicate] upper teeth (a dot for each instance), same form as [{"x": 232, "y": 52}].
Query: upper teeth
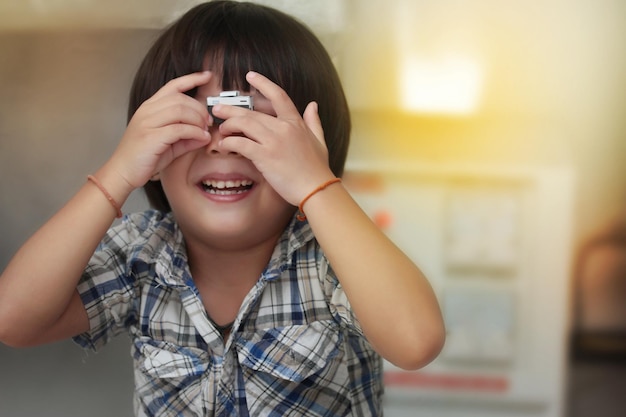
[{"x": 227, "y": 184}]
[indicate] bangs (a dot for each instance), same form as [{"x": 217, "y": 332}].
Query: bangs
[{"x": 242, "y": 38}]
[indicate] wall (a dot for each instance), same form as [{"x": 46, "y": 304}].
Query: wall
[
  {"x": 552, "y": 89},
  {"x": 62, "y": 112}
]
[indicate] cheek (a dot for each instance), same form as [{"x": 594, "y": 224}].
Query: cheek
[
  {"x": 174, "y": 176},
  {"x": 276, "y": 207},
  {"x": 169, "y": 179},
  {"x": 179, "y": 167}
]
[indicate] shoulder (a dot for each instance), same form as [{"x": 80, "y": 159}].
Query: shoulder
[
  {"x": 301, "y": 248},
  {"x": 305, "y": 256},
  {"x": 145, "y": 232}
]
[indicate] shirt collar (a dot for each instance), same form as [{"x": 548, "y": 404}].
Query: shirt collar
[{"x": 164, "y": 247}]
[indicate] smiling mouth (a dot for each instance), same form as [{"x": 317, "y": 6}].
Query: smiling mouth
[{"x": 229, "y": 187}]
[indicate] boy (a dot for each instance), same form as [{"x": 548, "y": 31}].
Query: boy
[{"x": 256, "y": 285}]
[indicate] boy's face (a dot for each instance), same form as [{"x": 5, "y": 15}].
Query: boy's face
[{"x": 220, "y": 198}]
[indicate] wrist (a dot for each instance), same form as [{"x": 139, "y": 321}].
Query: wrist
[
  {"x": 117, "y": 207},
  {"x": 320, "y": 188},
  {"x": 117, "y": 188}
]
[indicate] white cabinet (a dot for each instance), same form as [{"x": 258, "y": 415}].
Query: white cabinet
[{"x": 496, "y": 246}]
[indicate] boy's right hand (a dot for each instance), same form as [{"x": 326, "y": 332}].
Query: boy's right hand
[{"x": 165, "y": 126}]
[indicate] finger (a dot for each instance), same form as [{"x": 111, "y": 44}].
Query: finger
[
  {"x": 239, "y": 144},
  {"x": 184, "y": 83},
  {"x": 179, "y": 139},
  {"x": 281, "y": 102},
  {"x": 173, "y": 108},
  {"x": 177, "y": 149},
  {"x": 174, "y": 133},
  {"x": 252, "y": 125},
  {"x": 186, "y": 145},
  {"x": 312, "y": 120},
  {"x": 182, "y": 109},
  {"x": 227, "y": 113}
]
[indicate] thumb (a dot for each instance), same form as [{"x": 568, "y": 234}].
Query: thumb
[{"x": 312, "y": 120}]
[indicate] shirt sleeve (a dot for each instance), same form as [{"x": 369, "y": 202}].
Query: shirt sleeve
[{"x": 107, "y": 287}]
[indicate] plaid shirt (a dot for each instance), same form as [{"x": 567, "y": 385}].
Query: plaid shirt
[{"x": 295, "y": 349}]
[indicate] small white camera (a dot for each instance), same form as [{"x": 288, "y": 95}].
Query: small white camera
[{"x": 231, "y": 98}]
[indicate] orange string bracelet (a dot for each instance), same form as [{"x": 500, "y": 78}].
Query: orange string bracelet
[
  {"x": 108, "y": 196},
  {"x": 301, "y": 216}
]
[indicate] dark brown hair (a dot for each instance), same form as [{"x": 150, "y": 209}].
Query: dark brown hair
[{"x": 237, "y": 37}]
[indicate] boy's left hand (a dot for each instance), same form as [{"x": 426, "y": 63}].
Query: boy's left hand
[{"x": 288, "y": 149}]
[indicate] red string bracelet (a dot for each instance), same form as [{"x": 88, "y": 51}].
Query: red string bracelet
[
  {"x": 108, "y": 196},
  {"x": 301, "y": 216}
]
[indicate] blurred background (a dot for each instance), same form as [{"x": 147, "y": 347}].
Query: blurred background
[{"x": 489, "y": 142}]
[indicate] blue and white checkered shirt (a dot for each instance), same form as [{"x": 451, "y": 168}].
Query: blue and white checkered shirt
[{"x": 295, "y": 349}]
